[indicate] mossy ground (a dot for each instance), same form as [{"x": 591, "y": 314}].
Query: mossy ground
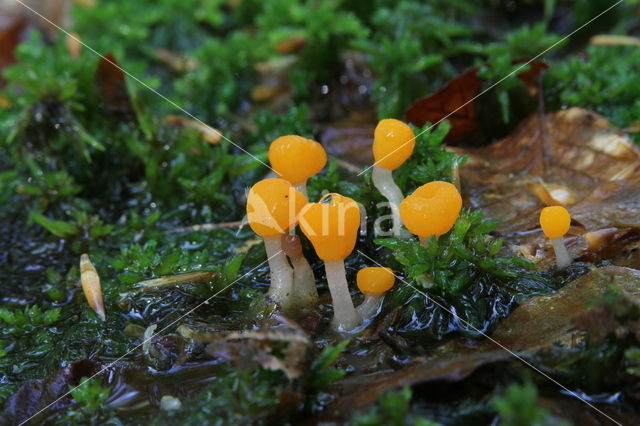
[{"x": 86, "y": 167}]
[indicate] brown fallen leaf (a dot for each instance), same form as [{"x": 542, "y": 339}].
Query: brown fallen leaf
[
  {"x": 451, "y": 97},
  {"x": 111, "y": 87},
  {"x": 9, "y": 39},
  {"x": 48, "y": 13},
  {"x": 356, "y": 393},
  {"x": 281, "y": 345},
  {"x": 268, "y": 90},
  {"x": 290, "y": 45},
  {"x": 455, "y": 102},
  {"x": 36, "y": 395},
  {"x": 544, "y": 321},
  {"x": 572, "y": 157}
]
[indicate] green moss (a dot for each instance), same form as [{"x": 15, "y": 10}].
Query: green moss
[
  {"x": 519, "y": 406},
  {"x": 76, "y": 177},
  {"x": 393, "y": 408}
]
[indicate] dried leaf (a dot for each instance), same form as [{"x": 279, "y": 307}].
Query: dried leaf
[
  {"x": 455, "y": 102},
  {"x": 9, "y": 39},
  {"x": 37, "y": 394},
  {"x": 112, "y": 88},
  {"x": 290, "y": 45},
  {"x": 544, "y": 321},
  {"x": 265, "y": 347},
  {"x": 356, "y": 393},
  {"x": 572, "y": 157},
  {"x": 451, "y": 97}
]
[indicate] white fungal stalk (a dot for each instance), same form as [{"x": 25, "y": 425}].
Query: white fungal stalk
[
  {"x": 424, "y": 241},
  {"x": 563, "y": 258},
  {"x": 91, "y": 287},
  {"x": 304, "y": 283},
  {"x": 383, "y": 181},
  {"x": 305, "y": 294},
  {"x": 281, "y": 273},
  {"x": 345, "y": 316},
  {"x": 369, "y": 307},
  {"x": 302, "y": 187}
]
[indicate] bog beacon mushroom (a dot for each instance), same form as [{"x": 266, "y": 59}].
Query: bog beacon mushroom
[
  {"x": 373, "y": 282},
  {"x": 332, "y": 225},
  {"x": 273, "y": 206},
  {"x": 555, "y": 222},
  {"x": 296, "y": 159},
  {"x": 393, "y": 144},
  {"x": 431, "y": 210}
]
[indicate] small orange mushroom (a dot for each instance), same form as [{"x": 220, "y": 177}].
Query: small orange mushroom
[
  {"x": 373, "y": 282},
  {"x": 273, "y": 206},
  {"x": 393, "y": 144},
  {"x": 555, "y": 222},
  {"x": 431, "y": 210},
  {"x": 332, "y": 227},
  {"x": 296, "y": 159}
]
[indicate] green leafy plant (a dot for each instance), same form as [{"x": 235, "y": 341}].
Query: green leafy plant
[
  {"x": 393, "y": 408},
  {"x": 430, "y": 160},
  {"x": 236, "y": 397},
  {"x": 453, "y": 261},
  {"x": 322, "y": 373},
  {"x": 596, "y": 82},
  {"x": 90, "y": 408},
  {"x": 402, "y": 53},
  {"x": 518, "y": 406}
]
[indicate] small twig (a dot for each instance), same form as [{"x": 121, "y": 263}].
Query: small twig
[
  {"x": 614, "y": 40},
  {"x": 347, "y": 166},
  {"x": 171, "y": 281},
  {"x": 206, "y": 227}
]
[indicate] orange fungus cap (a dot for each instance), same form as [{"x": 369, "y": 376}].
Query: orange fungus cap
[
  {"x": 295, "y": 158},
  {"x": 393, "y": 143},
  {"x": 555, "y": 221},
  {"x": 331, "y": 225},
  {"x": 375, "y": 280},
  {"x": 432, "y": 209},
  {"x": 273, "y": 206}
]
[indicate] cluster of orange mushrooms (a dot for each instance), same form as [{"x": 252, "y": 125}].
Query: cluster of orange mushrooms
[{"x": 275, "y": 206}]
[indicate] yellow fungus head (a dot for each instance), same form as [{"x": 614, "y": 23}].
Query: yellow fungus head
[
  {"x": 375, "y": 280},
  {"x": 555, "y": 221},
  {"x": 432, "y": 209},
  {"x": 331, "y": 225},
  {"x": 393, "y": 143},
  {"x": 295, "y": 158},
  {"x": 273, "y": 206}
]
